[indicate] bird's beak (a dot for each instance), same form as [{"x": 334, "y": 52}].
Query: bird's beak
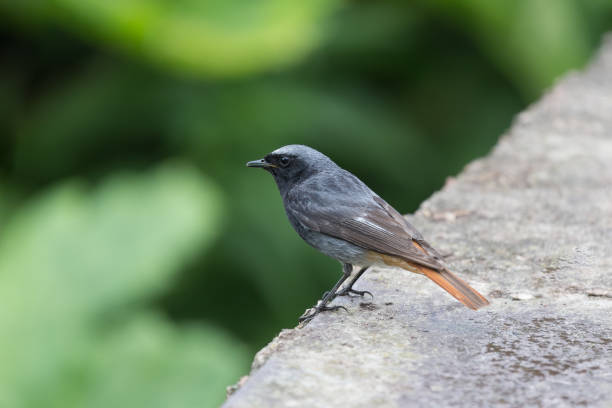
[{"x": 260, "y": 163}]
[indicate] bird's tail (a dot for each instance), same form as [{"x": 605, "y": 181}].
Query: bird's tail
[
  {"x": 453, "y": 285},
  {"x": 456, "y": 287}
]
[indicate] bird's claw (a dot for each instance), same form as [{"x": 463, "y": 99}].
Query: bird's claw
[
  {"x": 349, "y": 291},
  {"x": 309, "y": 314}
]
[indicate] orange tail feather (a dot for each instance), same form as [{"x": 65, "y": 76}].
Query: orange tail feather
[{"x": 456, "y": 287}]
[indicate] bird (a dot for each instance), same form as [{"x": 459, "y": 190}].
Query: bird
[{"x": 339, "y": 215}]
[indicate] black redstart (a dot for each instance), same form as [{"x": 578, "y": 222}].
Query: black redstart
[{"x": 335, "y": 212}]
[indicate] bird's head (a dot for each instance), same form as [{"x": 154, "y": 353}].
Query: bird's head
[{"x": 293, "y": 163}]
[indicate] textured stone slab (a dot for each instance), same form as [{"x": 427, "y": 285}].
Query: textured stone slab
[{"x": 530, "y": 226}]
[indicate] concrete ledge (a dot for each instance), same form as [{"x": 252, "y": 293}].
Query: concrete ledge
[{"x": 530, "y": 226}]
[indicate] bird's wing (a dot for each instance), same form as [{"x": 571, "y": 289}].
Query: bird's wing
[
  {"x": 366, "y": 221},
  {"x": 413, "y": 232}
]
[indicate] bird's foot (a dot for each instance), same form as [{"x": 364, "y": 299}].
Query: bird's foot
[
  {"x": 353, "y": 293},
  {"x": 310, "y": 313}
]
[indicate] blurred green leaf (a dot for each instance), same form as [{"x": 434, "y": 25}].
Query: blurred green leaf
[
  {"x": 218, "y": 38},
  {"x": 74, "y": 262},
  {"x": 532, "y": 41},
  {"x": 147, "y": 362},
  {"x": 107, "y": 108}
]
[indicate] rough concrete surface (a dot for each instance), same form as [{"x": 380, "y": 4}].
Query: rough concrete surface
[{"x": 530, "y": 226}]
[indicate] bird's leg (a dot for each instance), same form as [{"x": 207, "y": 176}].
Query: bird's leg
[
  {"x": 349, "y": 289},
  {"x": 329, "y": 296}
]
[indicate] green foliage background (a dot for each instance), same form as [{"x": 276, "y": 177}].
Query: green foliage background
[{"x": 141, "y": 264}]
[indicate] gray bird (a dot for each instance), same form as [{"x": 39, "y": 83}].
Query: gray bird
[{"x": 336, "y": 213}]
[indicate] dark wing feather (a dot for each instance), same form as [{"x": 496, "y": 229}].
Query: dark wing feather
[
  {"x": 365, "y": 220},
  {"x": 416, "y": 235}
]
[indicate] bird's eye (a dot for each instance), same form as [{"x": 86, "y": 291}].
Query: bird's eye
[{"x": 284, "y": 161}]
